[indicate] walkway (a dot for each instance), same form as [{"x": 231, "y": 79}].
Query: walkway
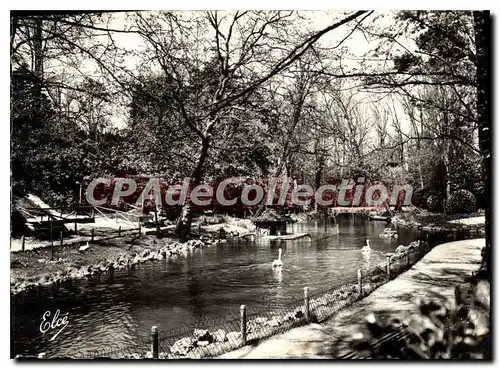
[
  {"x": 434, "y": 276},
  {"x": 470, "y": 221}
]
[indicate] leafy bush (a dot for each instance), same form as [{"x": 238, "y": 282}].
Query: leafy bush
[
  {"x": 461, "y": 202},
  {"x": 418, "y": 198},
  {"x": 18, "y": 223},
  {"x": 458, "y": 329},
  {"x": 434, "y": 203},
  {"x": 420, "y": 195}
]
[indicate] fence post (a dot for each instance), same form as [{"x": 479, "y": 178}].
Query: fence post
[
  {"x": 76, "y": 229},
  {"x": 388, "y": 256},
  {"x": 61, "y": 235},
  {"x": 154, "y": 337},
  {"x": 23, "y": 241},
  {"x": 51, "y": 239},
  {"x": 157, "y": 223},
  {"x": 139, "y": 227},
  {"x": 119, "y": 231},
  {"x": 360, "y": 284},
  {"x": 243, "y": 324},
  {"x": 93, "y": 232},
  {"x": 306, "y": 303}
]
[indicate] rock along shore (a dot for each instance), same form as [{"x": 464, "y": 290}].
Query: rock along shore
[{"x": 33, "y": 269}]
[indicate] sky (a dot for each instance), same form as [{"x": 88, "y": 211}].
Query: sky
[
  {"x": 357, "y": 44},
  {"x": 355, "y": 47}
]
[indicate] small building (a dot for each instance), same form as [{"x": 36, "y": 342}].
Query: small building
[{"x": 271, "y": 220}]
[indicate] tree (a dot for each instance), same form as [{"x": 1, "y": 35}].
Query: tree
[
  {"x": 240, "y": 44},
  {"x": 482, "y": 28},
  {"x": 434, "y": 65},
  {"x": 55, "y": 103},
  {"x": 31, "y": 113},
  {"x": 347, "y": 125}
]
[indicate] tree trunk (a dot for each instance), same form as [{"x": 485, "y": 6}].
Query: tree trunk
[
  {"x": 38, "y": 69},
  {"x": 319, "y": 173},
  {"x": 482, "y": 39},
  {"x": 185, "y": 220},
  {"x": 419, "y": 150},
  {"x": 420, "y": 174},
  {"x": 343, "y": 161},
  {"x": 446, "y": 159},
  {"x": 318, "y": 176}
]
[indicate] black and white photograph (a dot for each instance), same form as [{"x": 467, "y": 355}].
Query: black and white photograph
[{"x": 250, "y": 184}]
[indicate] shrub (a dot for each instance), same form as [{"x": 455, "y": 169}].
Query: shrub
[
  {"x": 18, "y": 223},
  {"x": 457, "y": 329},
  {"x": 418, "y": 198},
  {"x": 434, "y": 203},
  {"x": 461, "y": 202}
]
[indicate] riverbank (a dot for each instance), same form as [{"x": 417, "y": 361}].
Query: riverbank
[
  {"x": 34, "y": 268},
  {"x": 433, "y": 277},
  {"x": 473, "y": 224},
  {"x": 114, "y": 245},
  {"x": 107, "y": 252}
]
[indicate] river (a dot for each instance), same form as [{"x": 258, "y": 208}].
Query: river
[{"x": 206, "y": 284}]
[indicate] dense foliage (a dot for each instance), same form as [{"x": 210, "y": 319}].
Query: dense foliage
[
  {"x": 461, "y": 202},
  {"x": 435, "y": 203},
  {"x": 457, "y": 329}
]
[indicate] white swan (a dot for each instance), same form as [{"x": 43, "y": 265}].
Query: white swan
[
  {"x": 366, "y": 248},
  {"x": 83, "y": 248},
  {"x": 278, "y": 262}
]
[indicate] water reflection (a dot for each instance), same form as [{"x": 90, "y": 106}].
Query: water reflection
[
  {"x": 278, "y": 275},
  {"x": 367, "y": 260}
]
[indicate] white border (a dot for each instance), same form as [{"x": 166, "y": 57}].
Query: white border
[{"x": 198, "y": 5}]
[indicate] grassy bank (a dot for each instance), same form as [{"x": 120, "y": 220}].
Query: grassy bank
[
  {"x": 36, "y": 266},
  {"x": 428, "y": 221}
]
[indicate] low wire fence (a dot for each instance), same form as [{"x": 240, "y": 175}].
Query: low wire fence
[{"x": 212, "y": 338}]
